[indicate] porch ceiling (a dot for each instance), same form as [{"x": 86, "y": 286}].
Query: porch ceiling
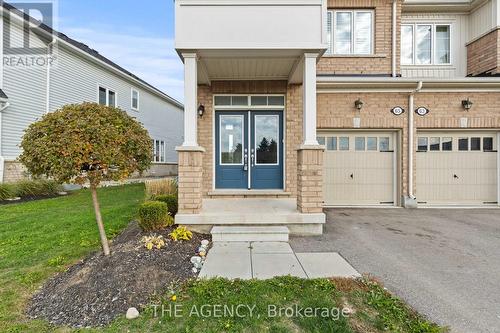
[{"x": 218, "y": 65}]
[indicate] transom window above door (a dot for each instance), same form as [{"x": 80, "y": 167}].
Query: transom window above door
[
  {"x": 425, "y": 44},
  {"x": 350, "y": 32},
  {"x": 249, "y": 101}
]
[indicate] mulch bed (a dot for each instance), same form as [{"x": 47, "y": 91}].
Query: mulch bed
[{"x": 98, "y": 289}]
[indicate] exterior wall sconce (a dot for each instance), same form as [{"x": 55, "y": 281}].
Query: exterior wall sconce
[
  {"x": 359, "y": 104},
  {"x": 467, "y": 104},
  {"x": 201, "y": 110}
]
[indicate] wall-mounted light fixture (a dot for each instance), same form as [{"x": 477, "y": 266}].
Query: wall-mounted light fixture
[
  {"x": 201, "y": 110},
  {"x": 467, "y": 104},
  {"x": 397, "y": 111},
  {"x": 359, "y": 104}
]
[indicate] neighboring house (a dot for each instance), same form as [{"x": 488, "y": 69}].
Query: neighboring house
[
  {"x": 360, "y": 102},
  {"x": 78, "y": 74}
]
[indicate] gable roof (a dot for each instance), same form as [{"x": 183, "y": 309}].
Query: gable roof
[{"x": 86, "y": 50}]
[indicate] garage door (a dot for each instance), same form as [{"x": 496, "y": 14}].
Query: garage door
[
  {"x": 358, "y": 168},
  {"x": 457, "y": 168}
]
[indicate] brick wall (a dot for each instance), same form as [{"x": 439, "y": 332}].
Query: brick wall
[
  {"x": 336, "y": 111},
  {"x": 381, "y": 61},
  {"x": 190, "y": 181},
  {"x": 13, "y": 171},
  {"x": 483, "y": 55},
  {"x": 310, "y": 180}
]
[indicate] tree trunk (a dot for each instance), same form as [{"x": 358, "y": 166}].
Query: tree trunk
[{"x": 100, "y": 225}]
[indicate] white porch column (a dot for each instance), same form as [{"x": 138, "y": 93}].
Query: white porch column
[
  {"x": 190, "y": 100},
  {"x": 309, "y": 99}
]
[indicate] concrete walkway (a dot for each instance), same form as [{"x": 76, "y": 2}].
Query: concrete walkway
[{"x": 265, "y": 260}]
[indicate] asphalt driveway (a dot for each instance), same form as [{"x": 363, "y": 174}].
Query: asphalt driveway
[{"x": 444, "y": 262}]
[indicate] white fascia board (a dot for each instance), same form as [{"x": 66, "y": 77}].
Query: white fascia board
[
  {"x": 248, "y": 2},
  {"x": 407, "y": 84},
  {"x": 60, "y": 41}
]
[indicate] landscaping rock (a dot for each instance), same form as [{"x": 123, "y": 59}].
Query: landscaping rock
[
  {"x": 98, "y": 289},
  {"x": 132, "y": 313}
]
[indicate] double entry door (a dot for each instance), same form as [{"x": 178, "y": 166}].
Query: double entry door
[{"x": 249, "y": 150}]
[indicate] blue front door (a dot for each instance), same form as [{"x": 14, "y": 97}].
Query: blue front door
[{"x": 249, "y": 150}]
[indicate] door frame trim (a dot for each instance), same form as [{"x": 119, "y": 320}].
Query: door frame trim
[{"x": 217, "y": 108}]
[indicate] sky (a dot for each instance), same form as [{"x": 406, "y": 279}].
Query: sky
[{"x": 137, "y": 35}]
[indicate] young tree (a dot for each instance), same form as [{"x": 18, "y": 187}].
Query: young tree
[{"x": 87, "y": 143}]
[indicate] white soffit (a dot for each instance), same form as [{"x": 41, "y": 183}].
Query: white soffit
[{"x": 441, "y": 5}]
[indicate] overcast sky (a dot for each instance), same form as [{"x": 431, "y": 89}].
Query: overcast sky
[{"x": 137, "y": 35}]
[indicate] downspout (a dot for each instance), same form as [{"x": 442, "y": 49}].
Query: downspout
[
  {"x": 394, "y": 36},
  {"x": 410, "y": 201},
  {"x": 49, "y": 66}
]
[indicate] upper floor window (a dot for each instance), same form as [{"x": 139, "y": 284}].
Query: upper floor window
[
  {"x": 350, "y": 32},
  {"x": 134, "y": 100},
  {"x": 425, "y": 44},
  {"x": 107, "y": 97}
]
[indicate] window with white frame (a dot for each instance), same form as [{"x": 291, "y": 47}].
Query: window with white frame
[
  {"x": 350, "y": 32},
  {"x": 158, "y": 151},
  {"x": 134, "y": 100},
  {"x": 107, "y": 97},
  {"x": 425, "y": 44}
]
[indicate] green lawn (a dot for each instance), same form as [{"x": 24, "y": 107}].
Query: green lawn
[{"x": 38, "y": 239}]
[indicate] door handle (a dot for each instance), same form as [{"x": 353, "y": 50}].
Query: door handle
[
  {"x": 245, "y": 159},
  {"x": 456, "y": 177},
  {"x": 252, "y": 157}
]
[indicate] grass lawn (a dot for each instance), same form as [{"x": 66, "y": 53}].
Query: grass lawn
[{"x": 40, "y": 238}]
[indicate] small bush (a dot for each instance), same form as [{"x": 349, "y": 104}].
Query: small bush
[
  {"x": 7, "y": 191},
  {"x": 162, "y": 186},
  {"x": 181, "y": 233},
  {"x": 153, "y": 242},
  {"x": 37, "y": 188},
  {"x": 153, "y": 215},
  {"x": 170, "y": 200},
  {"x": 29, "y": 189}
]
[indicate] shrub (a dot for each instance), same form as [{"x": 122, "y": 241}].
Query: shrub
[
  {"x": 170, "y": 200},
  {"x": 153, "y": 242},
  {"x": 181, "y": 233},
  {"x": 36, "y": 188},
  {"x": 160, "y": 187},
  {"x": 7, "y": 191},
  {"x": 153, "y": 215}
]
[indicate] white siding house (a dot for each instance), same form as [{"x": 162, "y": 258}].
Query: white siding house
[{"x": 76, "y": 76}]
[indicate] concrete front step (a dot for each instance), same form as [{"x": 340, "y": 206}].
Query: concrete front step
[{"x": 250, "y": 234}]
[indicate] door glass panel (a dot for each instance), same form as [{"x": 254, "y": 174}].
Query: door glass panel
[
  {"x": 463, "y": 144},
  {"x": 360, "y": 143},
  {"x": 487, "y": 144},
  {"x": 344, "y": 143},
  {"x": 447, "y": 144},
  {"x": 371, "y": 144},
  {"x": 434, "y": 146},
  {"x": 231, "y": 139},
  {"x": 423, "y": 143},
  {"x": 266, "y": 139},
  {"x": 384, "y": 144},
  {"x": 332, "y": 143},
  {"x": 475, "y": 144}
]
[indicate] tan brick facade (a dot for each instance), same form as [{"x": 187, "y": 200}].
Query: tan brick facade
[
  {"x": 190, "y": 181},
  {"x": 380, "y": 62},
  {"x": 483, "y": 55},
  {"x": 13, "y": 171},
  {"x": 337, "y": 111},
  {"x": 310, "y": 180}
]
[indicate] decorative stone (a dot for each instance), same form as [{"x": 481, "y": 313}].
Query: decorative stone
[
  {"x": 203, "y": 253},
  {"x": 62, "y": 193},
  {"x": 194, "y": 270},
  {"x": 198, "y": 265},
  {"x": 205, "y": 243},
  {"x": 195, "y": 260},
  {"x": 132, "y": 313}
]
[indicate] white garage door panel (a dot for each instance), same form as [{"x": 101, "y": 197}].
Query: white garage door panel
[
  {"x": 456, "y": 176},
  {"x": 358, "y": 176}
]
